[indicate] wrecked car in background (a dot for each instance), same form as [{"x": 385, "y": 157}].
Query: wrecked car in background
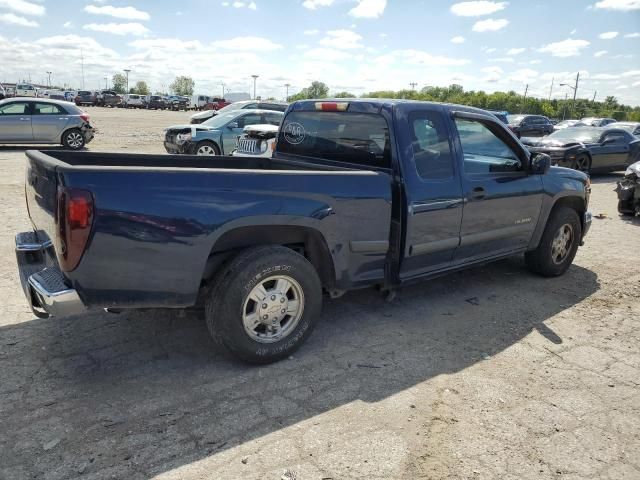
[
  {"x": 629, "y": 191},
  {"x": 257, "y": 141}
]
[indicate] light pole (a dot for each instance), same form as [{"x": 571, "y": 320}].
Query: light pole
[
  {"x": 126, "y": 70},
  {"x": 286, "y": 97},
  {"x": 222, "y": 85},
  {"x": 413, "y": 85},
  {"x": 49, "y": 81},
  {"x": 254, "y": 85}
]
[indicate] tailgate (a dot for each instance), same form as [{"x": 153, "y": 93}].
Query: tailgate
[{"x": 41, "y": 185}]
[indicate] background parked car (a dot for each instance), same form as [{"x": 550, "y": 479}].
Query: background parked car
[
  {"x": 109, "y": 98},
  {"x": 197, "y": 102},
  {"x": 565, "y": 124},
  {"x": 176, "y": 102},
  {"x": 589, "y": 149},
  {"x": 215, "y": 103},
  {"x": 132, "y": 100},
  {"x": 502, "y": 116},
  {"x": 155, "y": 101},
  {"x": 245, "y": 105},
  {"x": 26, "y": 90},
  {"x": 594, "y": 122},
  {"x": 530, "y": 125},
  {"x": 632, "y": 127},
  {"x": 44, "y": 121},
  {"x": 256, "y": 141},
  {"x": 3, "y": 93},
  {"x": 218, "y": 135},
  {"x": 86, "y": 97}
]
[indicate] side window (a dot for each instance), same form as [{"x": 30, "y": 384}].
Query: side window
[
  {"x": 16, "y": 108},
  {"x": 272, "y": 118},
  {"x": 250, "y": 119},
  {"x": 430, "y": 143},
  {"x": 250, "y": 106},
  {"x": 47, "y": 109},
  {"x": 615, "y": 138},
  {"x": 484, "y": 152}
]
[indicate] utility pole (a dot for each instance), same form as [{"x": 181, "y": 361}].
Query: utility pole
[
  {"x": 286, "y": 95},
  {"x": 594, "y": 96},
  {"x": 222, "y": 85},
  {"x": 126, "y": 70},
  {"x": 105, "y": 83},
  {"x": 551, "y": 89},
  {"x": 49, "y": 81},
  {"x": 524, "y": 100},
  {"x": 254, "y": 85},
  {"x": 575, "y": 91},
  {"x": 413, "y": 85},
  {"x": 564, "y": 106}
]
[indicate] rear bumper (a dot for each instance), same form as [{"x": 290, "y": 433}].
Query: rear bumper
[{"x": 45, "y": 287}]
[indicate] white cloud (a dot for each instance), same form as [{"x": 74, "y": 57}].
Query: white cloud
[
  {"x": 632, "y": 35},
  {"x": 524, "y": 75},
  {"x": 23, "y": 7},
  {"x": 67, "y": 24},
  {"x": 419, "y": 57},
  {"x": 565, "y": 48},
  {"x": 515, "y": 51},
  {"x": 311, "y": 32},
  {"x": 313, "y": 4},
  {"x": 368, "y": 8},
  {"x": 457, "y": 39},
  {"x": 167, "y": 44},
  {"x": 128, "y": 13},
  {"x": 502, "y": 60},
  {"x": 608, "y": 35},
  {"x": 342, "y": 39},
  {"x": 631, "y": 73},
  {"x": 238, "y": 4},
  {"x": 11, "y": 19},
  {"x": 490, "y": 25},
  {"x": 623, "y": 5},
  {"x": 574, "y": 31},
  {"x": 535, "y": 62},
  {"x": 132, "y": 28},
  {"x": 252, "y": 6},
  {"x": 248, "y": 44},
  {"x": 622, "y": 87},
  {"x": 327, "y": 54},
  {"x": 494, "y": 74},
  {"x": 477, "y": 8},
  {"x": 600, "y": 53},
  {"x": 604, "y": 76}
]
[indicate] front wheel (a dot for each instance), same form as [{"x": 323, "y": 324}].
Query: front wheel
[
  {"x": 206, "y": 148},
  {"x": 264, "y": 304},
  {"x": 582, "y": 163},
  {"x": 558, "y": 245},
  {"x": 73, "y": 139}
]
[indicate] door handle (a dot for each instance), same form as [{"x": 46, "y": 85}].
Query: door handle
[
  {"x": 478, "y": 193},
  {"x": 63, "y": 118},
  {"x": 24, "y": 119}
]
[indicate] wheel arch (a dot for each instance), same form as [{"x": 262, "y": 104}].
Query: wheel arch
[
  {"x": 67, "y": 130},
  {"x": 566, "y": 199},
  {"x": 307, "y": 241},
  {"x": 216, "y": 144}
]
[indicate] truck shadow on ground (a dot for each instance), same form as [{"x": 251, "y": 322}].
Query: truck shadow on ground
[{"x": 138, "y": 394}]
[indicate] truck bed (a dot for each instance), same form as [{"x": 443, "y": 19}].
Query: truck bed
[{"x": 158, "y": 218}]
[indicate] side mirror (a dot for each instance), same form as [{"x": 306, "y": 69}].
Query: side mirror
[
  {"x": 232, "y": 125},
  {"x": 540, "y": 163}
]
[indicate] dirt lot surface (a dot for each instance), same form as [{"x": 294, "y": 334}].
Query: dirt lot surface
[{"x": 493, "y": 373}]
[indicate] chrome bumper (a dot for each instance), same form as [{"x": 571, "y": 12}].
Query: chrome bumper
[{"x": 43, "y": 283}]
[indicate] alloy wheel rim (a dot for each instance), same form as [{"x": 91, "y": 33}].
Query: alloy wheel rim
[
  {"x": 562, "y": 243},
  {"x": 273, "y": 309},
  {"x": 206, "y": 150},
  {"x": 74, "y": 139},
  {"x": 583, "y": 164}
]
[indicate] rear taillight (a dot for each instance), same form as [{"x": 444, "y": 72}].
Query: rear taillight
[
  {"x": 84, "y": 117},
  {"x": 75, "y": 218}
]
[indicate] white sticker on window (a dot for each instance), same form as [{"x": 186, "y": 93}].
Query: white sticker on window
[{"x": 294, "y": 133}]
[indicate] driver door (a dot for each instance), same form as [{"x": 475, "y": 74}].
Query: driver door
[{"x": 15, "y": 122}]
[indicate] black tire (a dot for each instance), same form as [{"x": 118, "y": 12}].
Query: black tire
[
  {"x": 228, "y": 297},
  {"x": 73, "y": 139},
  {"x": 625, "y": 208},
  {"x": 541, "y": 260},
  {"x": 205, "y": 145},
  {"x": 582, "y": 163}
]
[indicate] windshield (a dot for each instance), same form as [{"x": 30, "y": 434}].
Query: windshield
[
  {"x": 514, "y": 119},
  {"x": 588, "y": 135},
  {"x": 221, "y": 119}
]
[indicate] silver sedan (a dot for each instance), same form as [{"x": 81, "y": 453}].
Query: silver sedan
[{"x": 39, "y": 120}]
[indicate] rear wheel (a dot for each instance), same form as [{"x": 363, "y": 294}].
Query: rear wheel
[
  {"x": 206, "y": 148},
  {"x": 558, "y": 245},
  {"x": 73, "y": 139},
  {"x": 264, "y": 304},
  {"x": 625, "y": 207}
]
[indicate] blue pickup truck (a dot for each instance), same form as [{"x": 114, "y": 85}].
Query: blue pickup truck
[{"x": 359, "y": 193}]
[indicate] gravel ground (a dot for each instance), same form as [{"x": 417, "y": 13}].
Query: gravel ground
[{"x": 489, "y": 373}]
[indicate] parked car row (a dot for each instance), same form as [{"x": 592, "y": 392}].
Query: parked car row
[{"x": 109, "y": 98}]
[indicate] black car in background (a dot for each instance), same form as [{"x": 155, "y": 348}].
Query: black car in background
[
  {"x": 156, "y": 102},
  {"x": 502, "y": 116},
  {"x": 588, "y": 149},
  {"x": 530, "y": 125},
  {"x": 108, "y": 98}
]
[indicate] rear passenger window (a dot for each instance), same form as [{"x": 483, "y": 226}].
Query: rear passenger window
[
  {"x": 357, "y": 138},
  {"x": 484, "y": 152},
  {"x": 47, "y": 109},
  {"x": 430, "y": 143}
]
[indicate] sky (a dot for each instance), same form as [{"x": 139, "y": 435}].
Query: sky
[{"x": 351, "y": 45}]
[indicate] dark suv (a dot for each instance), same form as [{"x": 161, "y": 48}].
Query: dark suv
[
  {"x": 109, "y": 98},
  {"x": 156, "y": 102},
  {"x": 86, "y": 97},
  {"x": 530, "y": 125}
]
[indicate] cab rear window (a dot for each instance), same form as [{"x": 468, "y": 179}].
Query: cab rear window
[{"x": 355, "y": 138}]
